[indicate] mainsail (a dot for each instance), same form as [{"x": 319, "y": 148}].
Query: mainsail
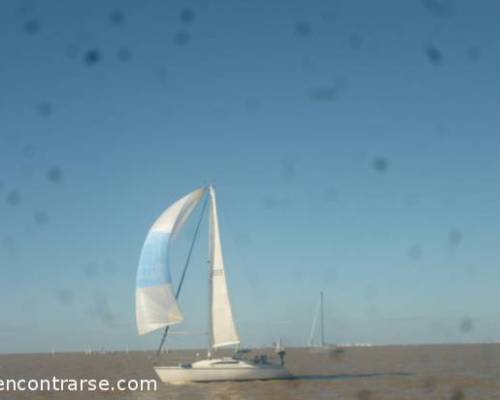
[
  {"x": 223, "y": 329},
  {"x": 155, "y": 302}
]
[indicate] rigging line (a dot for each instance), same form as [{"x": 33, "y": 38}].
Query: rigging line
[{"x": 181, "y": 281}]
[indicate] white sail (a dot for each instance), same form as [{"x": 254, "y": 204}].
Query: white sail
[
  {"x": 223, "y": 329},
  {"x": 155, "y": 303},
  {"x": 318, "y": 315}
]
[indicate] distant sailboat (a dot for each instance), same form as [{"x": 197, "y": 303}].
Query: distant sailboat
[
  {"x": 157, "y": 307},
  {"x": 321, "y": 346}
]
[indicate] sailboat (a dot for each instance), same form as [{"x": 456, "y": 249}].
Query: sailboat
[
  {"x": 157, "y": 304},
  {"x": 320, "y": 347}
]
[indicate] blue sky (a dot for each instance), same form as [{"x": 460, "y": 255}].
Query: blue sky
[{"x": 354, "y": 147}]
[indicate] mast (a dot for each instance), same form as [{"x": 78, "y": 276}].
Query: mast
[
  {"x": 210, "y": 334},
  {"x": 209, "y": 291},
  {"x": 322, "y": 321}
]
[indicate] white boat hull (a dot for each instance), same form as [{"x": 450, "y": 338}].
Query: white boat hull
[
  {"x": 218, "y": 370},
  {"x": 326, "y": 349}
]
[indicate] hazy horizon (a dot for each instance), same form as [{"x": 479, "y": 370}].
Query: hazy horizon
[{"x": 354, "y": 148}]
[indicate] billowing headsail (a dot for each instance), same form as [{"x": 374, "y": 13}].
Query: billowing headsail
[
  {"x": 155, "y": 303},
  {"x": 223, "y": 330}
]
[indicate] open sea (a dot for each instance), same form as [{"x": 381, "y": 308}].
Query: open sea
[{"x": 451, "y": 372}]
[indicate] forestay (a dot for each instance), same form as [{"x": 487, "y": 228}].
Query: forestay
[{"x": 156, "y": 305}]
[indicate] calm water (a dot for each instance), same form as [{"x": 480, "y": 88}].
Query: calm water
[{"x": 452, "y": 372}]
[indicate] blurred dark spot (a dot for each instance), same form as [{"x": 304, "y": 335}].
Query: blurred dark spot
[
  {"x": 117, "y": 16},
  {"x": 355, "y": 41},
  {"x": 55, "y": 175},
  {"x": 302, "y": 29},
  {"x": 22, "y": 12},
  {"x": 45, "y": 108},
  {"x": 101, "y": 309},
  {"x": 124, "y": 54},
  {"x": 457, "y": 394},
  {"x": 330, "y": 194},
  {"x": 324, "y": 93},
  {"x": 14, "y": 198},
  {"x": 455, "y": 237},
  {"x": 440, "y": 8},
  {"x": 415, "y": 252},
  {"x": 270, "y": 203},
  {"x": 182, "y": 38},
  {"x": 90, "y": 269},
  {"x": 187, "y": 16},
  {"x": 336, "y": 353},
  {"x": 65, "y": 297},
  {"x": 41, "y": 217},
  {"x": 380, "y": 164},
  {"x": 1, "y": 186},
  {"x": 474, "y": 53},
  {"x": 31, "y": 26},
  {"x": 433, "y": 54},
  {"x": 430, "y": 383},
  {"x": 466, "y": 325},
  {"x": 364, "y": 394},
  {"x": 288, "y": 168},
  {"x": 29, "y": 151},
  {"x": 91, "y": 57},
  {"x": 252, "y": 104}
]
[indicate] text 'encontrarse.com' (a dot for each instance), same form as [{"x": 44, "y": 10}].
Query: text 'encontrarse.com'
[{"x": 56, "y": 384}]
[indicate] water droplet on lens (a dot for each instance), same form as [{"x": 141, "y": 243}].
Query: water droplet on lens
[
  {"x": 55, "y": 174},
  {"x": 31, "y": 27},
  {"x": 434, "y": 54},
  {"x": 302, "y": 29},
  {"x": 92, "y": 57},
  {"x": 182, "y": 38},
  {"x": 124, "y": 54},
  {"x": 41, "y": 217},
  {"x": 14, "y": 198},
  {"x": 380, "y": 164},
  {"x": 117, "y": 17},
  {"x": 187, "y": 16}
]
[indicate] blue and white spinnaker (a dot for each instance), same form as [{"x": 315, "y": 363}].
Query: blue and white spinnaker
[{"x": 155, "y": 302}]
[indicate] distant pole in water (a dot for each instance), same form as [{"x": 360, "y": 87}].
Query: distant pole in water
[{"x": 322, "y": 320}]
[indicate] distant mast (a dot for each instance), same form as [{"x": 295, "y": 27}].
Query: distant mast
[
  {"x": 322, "y": 320},
  {"x": 319, "y": 314}
]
